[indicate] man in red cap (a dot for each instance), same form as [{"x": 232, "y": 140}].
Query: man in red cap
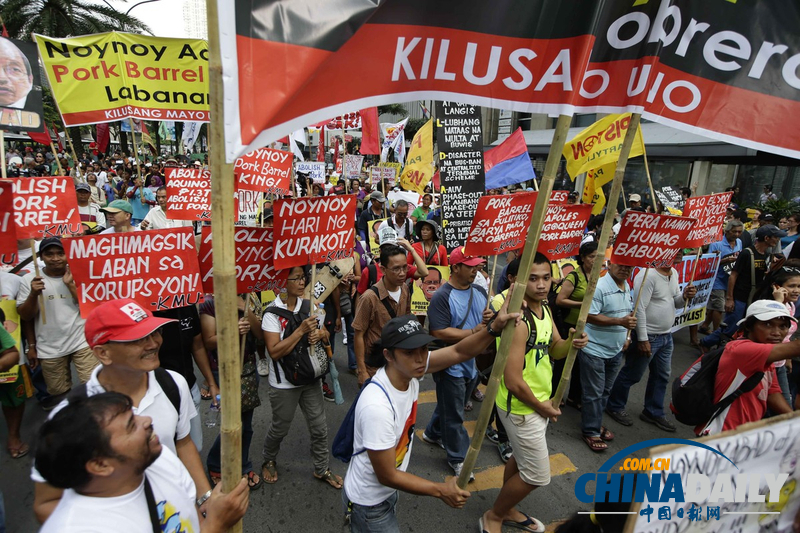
[
  {"x": 126, "y": 338},
  {"x": 457, "y": 310}
]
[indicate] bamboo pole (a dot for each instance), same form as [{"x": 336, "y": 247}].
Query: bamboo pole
[
  {"x": 222, "y": 215},
  {"x": 74, "y": 155},
  {"x": 650, "y": 182},
  {"x": 58, "y": 163},
  {"x": 515, "y": 302},
  {"x": 4, "y": 170},
  {"x": 136, "y": 160},
  {"x": 605, "y": 234},
  {"x": 491, "y": 281},
  {"x": 624, "y": 198},
  {"x": 38, "y": 275}
]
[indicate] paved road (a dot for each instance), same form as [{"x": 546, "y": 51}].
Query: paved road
[{"x": 299, "y": 503}]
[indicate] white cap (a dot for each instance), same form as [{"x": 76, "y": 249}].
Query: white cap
[
  {"x": 387, "y": 235},
  {"x": 765, "y": 310}
]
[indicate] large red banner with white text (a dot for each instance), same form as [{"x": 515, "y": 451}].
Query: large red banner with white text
[
  {"x": 649, "y": 240},
  {"x": 254, "y": 269},
  {"x": 45, "y": 207},
  {"x": 710, "y": 213}
]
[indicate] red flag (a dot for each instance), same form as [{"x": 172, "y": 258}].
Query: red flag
[
  {"x": 336, "y": 153},
  {"x": 5, "y": 31},
  {"x": 370, "y": 131},
  {"x": 41, "y": 138},
  {"x": 58, "y": 137},
  {"x": 103, "y": 137},
  {"x": 321, "y": 146}
]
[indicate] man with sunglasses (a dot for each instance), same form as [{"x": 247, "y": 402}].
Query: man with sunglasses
[{"x": 126, "y": 339}]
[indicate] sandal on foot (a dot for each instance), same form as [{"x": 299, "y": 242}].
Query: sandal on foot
[
  {"x": 606, "y": 434},
  {"x": 17, "y": 453},
  {"x": 253, "y": 481},
  {"x": 331, "y": 479},
  {"x": 215, "y": 477},
  {"x": 205, "y": 392},
  {"x": 468, "y": 406},
  {"x": 269, "y": 472},
  {"x": 529, "y": 524},
  {"x": 595, "y": 444},
  {"x": 477, "y": 395}
]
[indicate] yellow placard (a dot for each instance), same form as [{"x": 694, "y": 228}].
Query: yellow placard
[
  {"x": 372, "y": 230},
  {"x": 108, "y": 77},
  {"x": 11, "y": 323},
  {"x": 419, "y": 163},
  {"x": 593, "y": 189},
  {"x": 425, "y": 287},
  {"x": 600, "y": 144}
]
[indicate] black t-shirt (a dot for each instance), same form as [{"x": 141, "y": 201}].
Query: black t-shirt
[
  {"x": 741, "y": 291},
  {"x": 176, "y": 349}
]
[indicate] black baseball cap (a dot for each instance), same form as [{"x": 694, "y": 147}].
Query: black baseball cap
[
  {"x": 405, "y": 332},
  {"x": 50, "y": 241},
  {"x": 769, "y": 231}
]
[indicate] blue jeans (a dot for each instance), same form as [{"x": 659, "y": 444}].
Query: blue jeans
[
  {"x": 380, "y": 518},
  {"x": 783, "y": 380},
  {"x": 213, "y": 461},
  {"x": 659, "y": 362},
  {"x": 196, "y": 423},
  {"x": 447, "y": 422},
  {"x": 716, "y": 336},
  {"x": 351, "y": 343},
  {"x": 597, "y": 377}
]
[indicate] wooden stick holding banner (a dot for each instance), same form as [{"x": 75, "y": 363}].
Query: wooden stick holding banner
[
  {"x": 227, "y": 312},
  {"x": 3, "y": 155},
  {"x": 624, "y": 201},
  {"x": 649, "y": 181},
  {"x": 136, "y": 158},
  {"x": 491, "y": 282},
  {"x": 74, "y": 155},
  {"x": 516, "y": 297},
  {"x": 55, "y": 155},
  {"x": 38, "y": 275},
  {"x": 605, "y": 234}
]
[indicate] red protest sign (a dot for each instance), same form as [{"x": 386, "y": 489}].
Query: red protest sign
[
  {"x": 710, "y": 213},
  {"x": 563, "y": 230},
  {"x": 45, "y": 207},
  {"x": 157, "y": 268},
  {"x": 500, "y": 223},
  {"x": 264, "y": 170},
  {"x": 8, "y": 232},
  {"x": 188, "y": 193},
  {"x": 254, "y": 270},
  {"x": 649, "y": 240},
  {"x": 314, "y": 230}
]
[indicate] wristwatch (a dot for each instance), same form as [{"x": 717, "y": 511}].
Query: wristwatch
[
  {"x": 202, "y": 499},
  {"x": 492, "y": 332}
]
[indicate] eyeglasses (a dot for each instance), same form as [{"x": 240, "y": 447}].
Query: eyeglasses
[
  {"x": 398, "y": 269},
  {"x": 296, "y": 280}
]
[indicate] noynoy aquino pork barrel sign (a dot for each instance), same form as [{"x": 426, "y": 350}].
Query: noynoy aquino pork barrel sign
[
  {"x": 158, "y": 268},
  {"x": 107, "y": 77},
  {"x": 254, "y": 268},
  {"x": 313, "y": 230},
  {"x": 649, "y": 240}
]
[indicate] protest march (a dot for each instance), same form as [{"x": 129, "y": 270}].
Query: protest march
[{"x": 318, "y": 206}]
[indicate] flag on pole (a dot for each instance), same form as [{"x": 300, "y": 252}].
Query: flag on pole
[
  {"x": 392, "y": 137},
  {"x": 321, "y": 145},
  {"x": 103, "y": 137},
  {"x": 600, "y": 144},
  {"x": 191, "y": 130},
  {"x": 42, "y": 137},
  {"x": 419, "y": 166},
  {"x": 58, "y": 137},
  {"x": 298, "y": 138},
  {"x": 508, "y": 163},
  {"x": 146, "y": 139},
  {"x": 370, "y": 132}
]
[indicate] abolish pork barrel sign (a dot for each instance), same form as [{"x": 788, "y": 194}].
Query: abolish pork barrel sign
[
  {"x": 45, "y": 207},
  {"x": 157, "y": 268},
  {"x": 189, "y": 193}
]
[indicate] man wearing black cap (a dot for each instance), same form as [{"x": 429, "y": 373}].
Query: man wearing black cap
[
  {"x": 60, "y": 340},
  {"x": 385, "y": 419}
]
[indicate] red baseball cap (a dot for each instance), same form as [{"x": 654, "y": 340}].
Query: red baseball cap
[
  {"x": 457, "y": 257},
  {"x": 120, "y": 321}
]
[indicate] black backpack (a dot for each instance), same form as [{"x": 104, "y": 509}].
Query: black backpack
[
  {"x": 297, "y": 365},
  {"x": 557, "y": 312},
  {"x": 693, "y": 392},
  {"x": 342, "y": 447}
]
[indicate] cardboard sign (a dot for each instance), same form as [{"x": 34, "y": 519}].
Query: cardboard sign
[
  {"x": 372, "y": 230},
  {"x": 264, "y": 170},
  {"x": 248, "y": 205},
  {"x": 45, "y": 207},
  {"x": 21, "y": 99},
  {"x": 353, "y": 169},
  {"x": 188, "y": 193},
  {"x": 382, "y": 172},
  {"x": 670, "y": 197},
  {"x": 12, "y": 326},
  {"x": 254, "y": 270},
  {"x": 157, "y": 268},
  {"x": 650, "y": 240},
  {"x": 710, "y": 213},
  {"x": 314, "y": 169},
  {"x": 314, "y": 230},
  {"x": 8, "y": 230},
  {"x": 424, "y": 288},
  {"x": 563, "y": 230}
]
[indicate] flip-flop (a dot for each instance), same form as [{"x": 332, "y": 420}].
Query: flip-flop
[
  {"x": 595, "y": 444},
  {"x": 606, "y": 434},
  {"x": 526, "y": 524},
  {"x": 254, "y": 481},
  {"x": 17, "y": 453},
  {"x": 272, "y": 470},
  {"x": 331, "y": 479},
  {"x": 215, "y": 477}
]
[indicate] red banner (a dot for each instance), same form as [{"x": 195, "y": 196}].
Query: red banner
[
  {"x": 314, "y": 230},
  {"x": 649, "y": 240},
  {"x": 710, "y": 214},
  {"x": 500, "y": 223},
  {"x": 264, "y": 170},
  {"x": 254, "y": 270},
  {"x": 45, "y": 207},
  {"x": 156, "y": 268},
  {"x": 563, "y": 230},
  {"x": 188, "y": 193},
  {"x": 8, "y": 232}
]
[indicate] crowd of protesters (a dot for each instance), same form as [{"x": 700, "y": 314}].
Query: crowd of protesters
[{"x": 129, "y": 434}]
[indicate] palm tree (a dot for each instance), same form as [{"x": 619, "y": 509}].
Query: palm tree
[{"x": 64, "y": 18}]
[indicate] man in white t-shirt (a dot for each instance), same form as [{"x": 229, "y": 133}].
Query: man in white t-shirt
[
  {"x": 126, "y": 339},
  {"x": 118, "y": 476},
  {"x": 157, "y": 217},
  {"x": 399, "y": 221},
  {"x": 57, "y": 338},
  {"x": 385, "y": 419}
]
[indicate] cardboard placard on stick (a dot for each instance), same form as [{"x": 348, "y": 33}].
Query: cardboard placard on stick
[
  {"x": 563, "y": 230},
  {"x": 423, "y": 289},
  {"x": 157, "y": 268},
  {"x": 264, "y": 170},
  {"x": 313, "y": 230},
  {"x": 254, "y": 269},
  {"x": 188, "y": 193},
  {"x": 650, "y": 240},
  {"x": 315, "y": 170},
  {"x": 45, "y": 207},
  {"x": 500, "y": 223},
  {"x": 710, "y": 213}
]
